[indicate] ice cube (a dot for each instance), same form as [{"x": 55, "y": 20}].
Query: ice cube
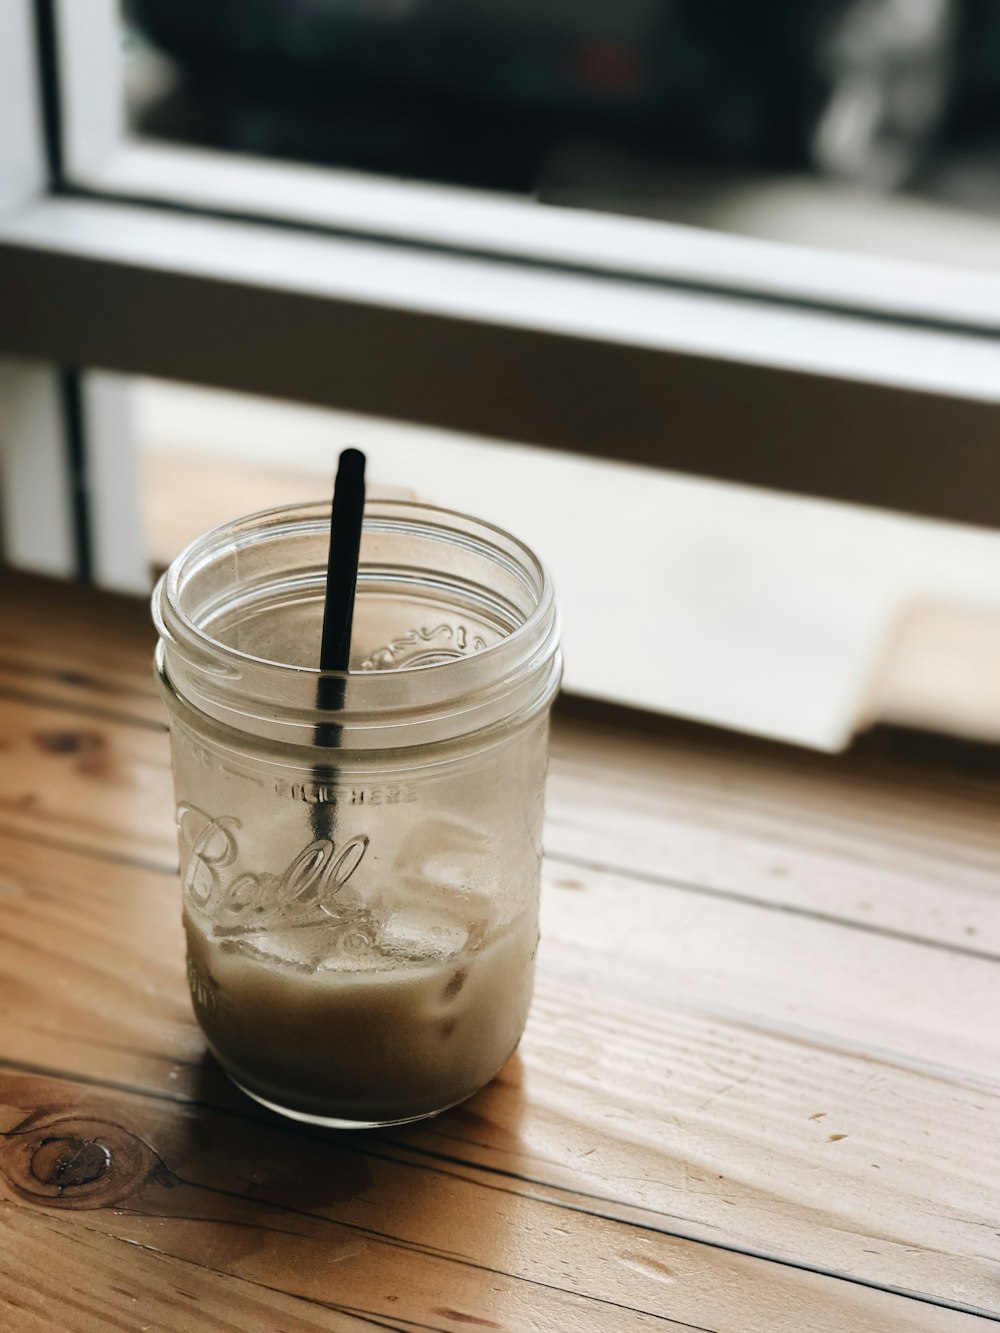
[
  {"x": 420, "y": 932},
  {"x": 354, "y": 946},
  {"x": 295, "y": 950},
  {"x": 308, "y": 948},
  {"x": 448, "y": 852}
]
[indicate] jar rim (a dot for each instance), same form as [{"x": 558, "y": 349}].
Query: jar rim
[
  {"x": 168, "y": 590},
  {"x": 384, "y": 708}
]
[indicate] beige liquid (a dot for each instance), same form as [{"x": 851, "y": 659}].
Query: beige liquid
[{"x": 367, "y": 1040}]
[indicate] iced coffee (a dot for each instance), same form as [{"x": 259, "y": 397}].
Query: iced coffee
[
  {"x": 360, "y": 890},
  {"x": 389, "y": 1017}
]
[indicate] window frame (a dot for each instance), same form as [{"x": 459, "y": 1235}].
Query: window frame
[
  {"x": 688, "y": 360},
  {"x": 43, "y": 519},
  {"x": 103, "y": 160}
]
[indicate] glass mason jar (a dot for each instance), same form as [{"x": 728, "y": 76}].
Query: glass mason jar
[{"x": 360, "y": 879}]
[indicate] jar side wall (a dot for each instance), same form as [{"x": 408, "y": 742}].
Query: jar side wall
[
  {"x": 471, "y": 824},
  {"x": 380, "y": 972}
]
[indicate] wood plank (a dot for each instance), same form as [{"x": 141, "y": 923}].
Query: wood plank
[
  {"x": 70, "y": 644},
  {"x": 186, "y": 492},
  {"x": 939, "y": 668},
  {"x": 629, "y": 1098},
  {"x": 86, "y": 779},
  {"x": 817, "y": 982},
  {"x": 110, "y": 1282},
  {"x": 900, "y": 847},
  {"x": 316, "y": 1218}
]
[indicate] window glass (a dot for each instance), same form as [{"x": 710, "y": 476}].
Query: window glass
[{"x": 869, "y": 125}]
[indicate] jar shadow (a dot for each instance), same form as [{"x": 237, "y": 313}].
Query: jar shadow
[{"x": 295, "y": 1198}]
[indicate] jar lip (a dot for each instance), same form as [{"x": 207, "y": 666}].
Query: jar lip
[{"x": 167, "y": 593}]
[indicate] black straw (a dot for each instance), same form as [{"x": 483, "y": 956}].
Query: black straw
[
  {"x": 342, "y": 566},
  {"x": 338, "y": 615}
]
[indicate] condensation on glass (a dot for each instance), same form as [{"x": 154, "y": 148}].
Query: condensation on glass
[{"x": 360, "y": 885}]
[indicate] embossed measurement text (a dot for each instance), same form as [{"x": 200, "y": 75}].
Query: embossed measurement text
[{"x": 328, "y": 793}]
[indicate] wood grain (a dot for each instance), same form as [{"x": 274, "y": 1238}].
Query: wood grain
[
  {"x": 895, "y": 846},
  {"x": 651, "y": 1108},
  {"x": 66, "y": 643},
  {"x": 111, "y": 1282},
  {"x": 316, "y": 1217},
  {"x": 249, "y": 1201},
  {"x": 87, "y": 780},
  {"x": 746, "y": 1100}
]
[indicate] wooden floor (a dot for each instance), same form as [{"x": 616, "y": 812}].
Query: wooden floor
[{"x": 759, "y": 1089}]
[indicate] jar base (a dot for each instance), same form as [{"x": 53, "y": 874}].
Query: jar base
[{"x": 335, "y": 1122}]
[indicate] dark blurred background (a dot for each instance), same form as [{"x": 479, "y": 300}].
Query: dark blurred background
[{"x": 519, "y": 95}]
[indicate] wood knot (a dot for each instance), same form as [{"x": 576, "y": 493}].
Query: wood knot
[
  {"x": 69, "y": 742},
  {"x": 69, "y": 1161},
  {"x": 76, "y": 1162},
  {"x": 89, "y": 750}
]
